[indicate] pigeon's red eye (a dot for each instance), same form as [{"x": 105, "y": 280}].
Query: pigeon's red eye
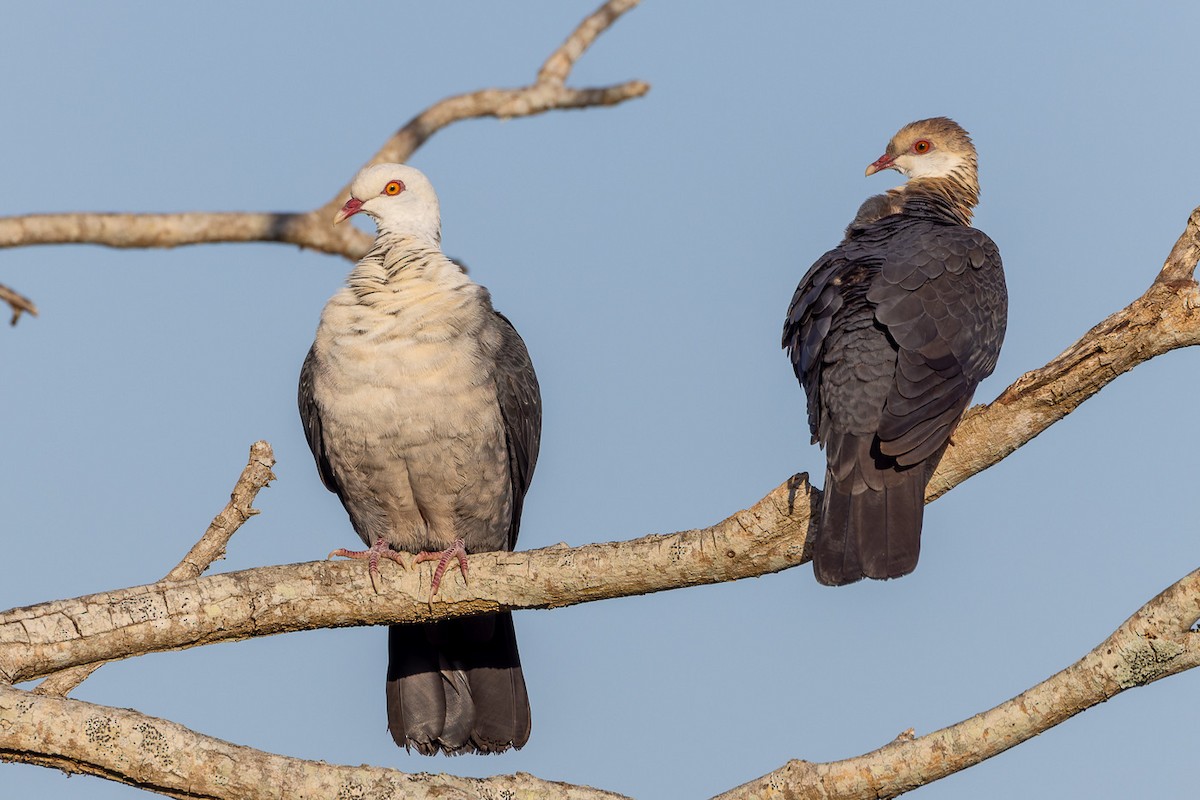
[
  {"x": 394, "y": 188},
  {"x": 922, "y": 146}
]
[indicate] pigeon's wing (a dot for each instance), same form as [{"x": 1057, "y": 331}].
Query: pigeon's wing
[
  {"x": 521, "y": 406},
  {"x": 835, "y": 286},
  {"x": 940, "y": 294},
  {"x": 310, "y": 417}
]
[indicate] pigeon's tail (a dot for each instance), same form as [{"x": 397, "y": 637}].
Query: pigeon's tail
[
  {"x": 455, "y": 686},
  {"x": 871, "y": 512}
]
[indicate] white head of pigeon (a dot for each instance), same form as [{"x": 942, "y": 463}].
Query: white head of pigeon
[{"x": 399, "y": 198}]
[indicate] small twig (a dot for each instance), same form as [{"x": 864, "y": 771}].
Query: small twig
[
  {"x": 211, "y": 547},
  {"x": 1181, "y": 263},
  {"x": 20, "y": 303}
]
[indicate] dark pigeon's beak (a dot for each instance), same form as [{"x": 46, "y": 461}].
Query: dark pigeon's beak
[
  {"x": 883, "y": 162},
  {"x": 352, "y": 207}
]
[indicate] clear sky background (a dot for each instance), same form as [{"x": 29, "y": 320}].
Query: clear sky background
[{"x": 647, "y": 254}]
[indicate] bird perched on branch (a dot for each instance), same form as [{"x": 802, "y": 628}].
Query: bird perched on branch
[
  {"x": 889, "y": 333},
  {"x": 423, "y": 412}
]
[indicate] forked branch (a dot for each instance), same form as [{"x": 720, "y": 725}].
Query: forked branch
[{"x": 313, "y": 229}]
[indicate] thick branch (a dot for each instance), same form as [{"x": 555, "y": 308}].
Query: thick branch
[
  {"x": 313, "y": 229},
  {"x": 211, "y": 546},
  {"x": 122, "y": 745},
  {"x": 1155, "y": 642},
  {"x": 172, "y": 230},
  {"x": 37, "y": 640}
]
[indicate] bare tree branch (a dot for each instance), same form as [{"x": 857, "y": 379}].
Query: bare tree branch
[
  {"x": 172, "y": 230},
  {"x": 546, "y": 93},
  {"x": 1155, "y": 642},
  {"x": 122, "y": 745},
  {"x": 313, "y": 229},
  {"x": 18, "y": 302},
  {"x": 40, "y": 639},
  {"x": 240, "y": 508},
  {"x": 1165, "y": 318},
  {"x": 211, "y": 546}
]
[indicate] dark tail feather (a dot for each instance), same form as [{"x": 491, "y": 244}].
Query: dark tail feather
[
  {"x": 456, "y": 686},
  {"x": 835, "y": 552},
  {"x": 890, "y": 549},
  {"x": 869, "y": 533}
]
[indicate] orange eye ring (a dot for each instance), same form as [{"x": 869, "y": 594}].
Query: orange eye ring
[
  {"x": 922, "y": 146},
  {"x": 393, "y": 188}
]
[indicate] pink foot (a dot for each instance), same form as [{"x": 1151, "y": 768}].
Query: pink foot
[
  {"x": 458, "y": 549},
  {"x": 381, "y": 549}
]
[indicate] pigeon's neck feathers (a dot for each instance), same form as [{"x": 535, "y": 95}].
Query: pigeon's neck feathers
[
  {"x": 399, "y": 260},
  {"x": 402, "y": 274},
  {"x": 956, "y": 193},
  {"x": 419, "y": 223},
  {"x": 939, "y": 160}
]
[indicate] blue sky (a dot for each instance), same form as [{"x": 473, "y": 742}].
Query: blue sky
[{"x": 647, "y": 254}]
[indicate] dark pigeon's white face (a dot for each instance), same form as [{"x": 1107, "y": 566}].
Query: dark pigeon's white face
[
  {"x": 931, "y": 148},
  {"x": 924, "y": 158}
]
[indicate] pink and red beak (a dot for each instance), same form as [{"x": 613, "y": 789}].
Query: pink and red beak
[
  {"x": 352, "y": 207},
  {"x": 885, "y": 161}
]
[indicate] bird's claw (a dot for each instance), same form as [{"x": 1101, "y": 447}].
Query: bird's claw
[
  {"x": 457, "y": 550},
  {"x": 381, "y": 549}
]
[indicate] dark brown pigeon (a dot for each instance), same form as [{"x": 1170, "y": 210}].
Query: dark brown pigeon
[
  {"x": 423, "y": 412},
  {"x": 889, "y": 333}
]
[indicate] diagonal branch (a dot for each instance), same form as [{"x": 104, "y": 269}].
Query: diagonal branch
[
  {"x": 237, "y": 511},
  {"x": 122, "y": 745},
  {"x": 312, "y": 229},
  {"x": 1154, "y": 643},
  {"x": 1165, "y": 318},
  {"x": 211, "y": 547}
]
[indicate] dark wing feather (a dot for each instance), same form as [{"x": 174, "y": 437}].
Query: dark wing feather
[
  {"x": 807, "y": 323},
  {"x": 940, "y": 294},
  {"x": 521, "y": 406},
  {"x": 310, "y": 417},
  {"x": 835, "y": 286}
]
